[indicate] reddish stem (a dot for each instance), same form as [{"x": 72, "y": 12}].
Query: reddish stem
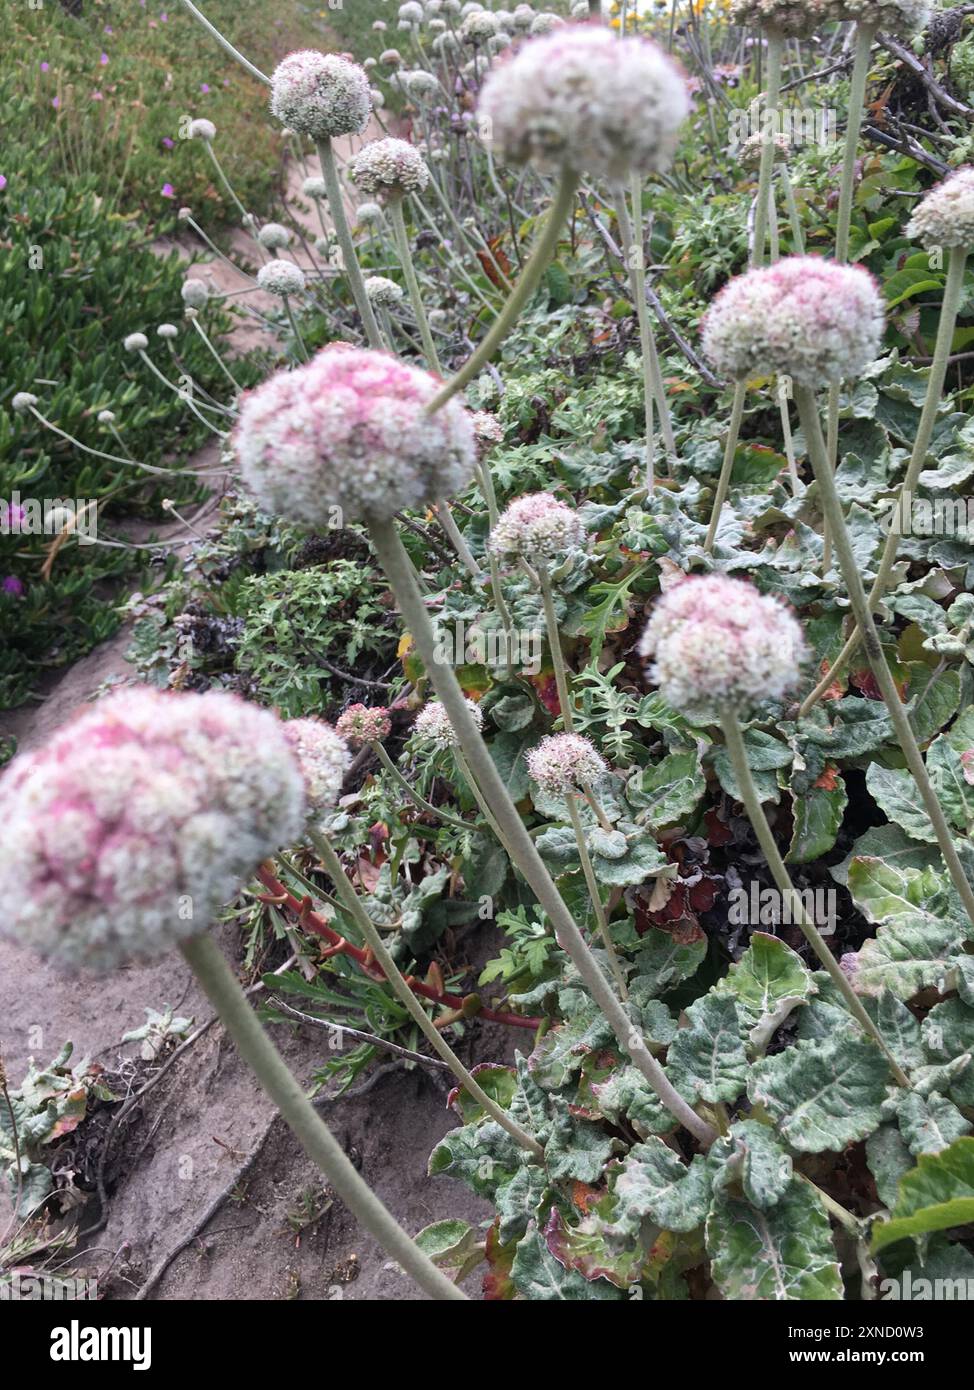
[{"x": 338, "y": 945}]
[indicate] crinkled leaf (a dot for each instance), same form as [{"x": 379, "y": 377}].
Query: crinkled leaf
[
  {"x": 936, "y": 1195},
  {"x": 888, "y": 1158},
  {"x": 664, "y": 961},
  {"x": 538, "y": 1276},
  {"x": 483, "y": 1156},
  {"x": 653, "y": 1181},
  {"x": 897, "y": 794},
  {"x": 707, "y": 1061},
  {"x": 768, "y": 982},
  {"x": 784, "y": 1253},
  {"x": 576, "y": 1149},
  {"x": 929, "y": 1123},
  {"x": 752, "y": 1156},
  {"x": 921, "y": 924},
  {"x": 823, "y": 1095},
  {"x": 670, "y": 792},
  {"x": 817, "y": 815},
  {"x": 517, "y": 1201}
]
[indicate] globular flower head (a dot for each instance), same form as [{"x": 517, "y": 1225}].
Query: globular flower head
[
  {"x": 545, "y": 23},
  {"x": 385, "y": 293},
  {"x": 106, "y": 417},
  {"x": 320, "y": 95},
  {"x": 195, "y": 293},
  {"x": 390, "y": 58},
  {"x": 478, "y": 27},
  {"x": 167, "y": 331},
  {"x": 389, "y": 168},
  {"x": 752, "y": 148},
  {"x": 139, "y": 819},
  {"x": 799, "y": 18},
  {"x": 323, "y": 758},
  {"x": 487, "y": 428},
  {"x": 314, "y": 187},
  {"x": 718, "y": 644},
  {"x": 23, "y": 401},
  {"x": 272, "y": 236},
  {"x": 350, "y": 430},
  {"x": 364, "y": 724},
  {"x": 893, "y": 16},
  {"x": 411, "y": 13},
  {"x": 804, "y": 317},
  {"x": 135, "y": 342},
  {"x": 945, "y": 217},
  {"x": 537, "y": 527},
  {"x": 281, "y": 278},
  {"x": 368, "y": 213},
  {"x": 562, "y": 763},
  {"x": 202, "y": 129},
  {"x": 521, "y": 16},
  {"x": 582, "y": 99},
  {"x": 420, "y": 84},
  {"x": 433, "y": 726}
]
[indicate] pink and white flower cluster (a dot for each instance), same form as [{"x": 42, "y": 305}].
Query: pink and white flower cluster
[
  {"x": 537, "y": 527},
  {"x": 562, "y": 763},
  {"x": 320, "y": 95},
  {"x": 364, "y": 724}
]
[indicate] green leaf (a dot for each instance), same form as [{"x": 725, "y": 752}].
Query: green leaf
[
  {"x": 904, "y": 284},
  {"x": 817, "y": 815},
  {"x": 893, "y": 846},
  {"x": 517, "y": 1201},
  {"x": 653, "y": 1181},
  {"x": 765, "y": 754},
  {"x": 950, "y": 762},
  {"x": 896, "y": 793},
  {"x": 670, "y": 792},
  {"x": 929, "y": 1123},
  {"x": 577, "y": 1150},
  {"x": 921, "y": 925},
  {"x": 706, "y": 1061},
  {"x": 482, "y": 1155},
  {"x": 823, "y": 1095},
  {"x": 936, "y": 1195},
  {"x": 768, "y": 982},
  {"x": 507, "y": 751},
  {"x": 888, "y": 1158},
  {"x": 784, "y": 1253},
  {"x": 664, "y": 962},
  {"x": 752, "y": 1156},
  {"x": 538, "y": 1276}
]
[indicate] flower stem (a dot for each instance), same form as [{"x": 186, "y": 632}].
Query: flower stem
[
  {"x": 255, "y": 1047},
  {"x": 412, "y": 284},
  {"x": 352, "y": 904},
  {"x": 832, "y": 507},
  {"x": 772, "y": 97},
  {"x": 528, "y": 281},
  {"x": 727, "y": 467},
  {"x": 336, "y": 205},
  {"x": 411, "y": 791},
  {"x": 953, "y": 290},
  {"x": 593, "y": 889},
  {"x": 226, "y": 44},
  {"x": 755, "y": 811},
  {"x": 554, "y": 645},
  {"x": 395, "y": 562},
  {"x": 445, "y": 517}
]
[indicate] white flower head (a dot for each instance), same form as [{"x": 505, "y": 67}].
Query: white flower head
[
  {"x": 195, "y": 293},
  {"x": 320, "y": 95},
  {"x": 383, "y": 292},
  {"x": 281, "y": 278},
  {"x": 202, "y": 129},
  {"x": 433, "y": 726},
  {"x": 389, "y": 168},
  {"x": 323, "y": 757},
  {"x": 273, "y": 237},
  {"x": 563, "y": 763},
  {"x": 945, "y": 217},
  {"x": 537, "y": 527}
]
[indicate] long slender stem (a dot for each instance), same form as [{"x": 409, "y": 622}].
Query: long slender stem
[
  {"x": 395, "y": 562},
  {"x": 412, "y": 284},
  {"x": 225, "y": 994},
  {"x": 752, "y": 803},
  {"x": 411, "y": 791},
  {"x": 481, "y": 800},
  {"x": 554, "y": 646},
  {"x": 727, "y": 467},
  {"x": 772, "y": 98},
  {"x": 336, "y": 206},
  {"x": 226, "y": 45},
  {"x": 446, "y": 519},
  {"x": 811, "y": 425},
  {"x": 592, "y": 885},
  {"x": 350, "y": 900},
  {"x": 794, "y": 221},
  {"x": 953, "y": 289},
  {"x": 528, "y": 281}
]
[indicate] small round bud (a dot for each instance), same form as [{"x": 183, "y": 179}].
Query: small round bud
[
  {"x": 433, "y": 727},
  {"x": 273, "y": 237},
  {"x": 390, "y": 58},
  {"x": 411, "y": 12},
  {"x": 538, "y": 528},
  {"x": 23, "y": 401},
  {"x": 361, "y": 724},
  {"x": 367, "y": 213},
  {"x": 562, "y": 763},
  {"x": 202, "y": 129},
  {"x": 167, "y": 331},
  {"x": 315, "y": 188},
  {"x": 195, "y": 294},
  {"x": 545, "y": 23},
  {"x": 945, "y": 217},
  {"x": 718, "y": 644},
  {"x": 478, "y": 27},
  {"x": 382, "y": 292},
  {"x": 320, "y": 95},
  {"x": 106, "y": 417},
  {"x": 804, "y": 317},
  {"x": 136, "y": 342},
  {"x": 281, "y": 278}
]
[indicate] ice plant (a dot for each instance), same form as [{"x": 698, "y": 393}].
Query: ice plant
[
  {"x": 944, "y": 218},
  {"x": 129, "y": 830},
  {"x": 572, "y": 102},
  {"x": 349, "y": 431},
  {"x": 719, "y": 650}
]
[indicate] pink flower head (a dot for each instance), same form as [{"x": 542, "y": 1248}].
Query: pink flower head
[
  {"x": 323, "y": 758},
  {"x": 169, "y": 144},
  {"x": 204, "y": 87},
  {"x": 362, "y": 724},
  {"x": 131, "y": 827},
  {"x": 580, "y": 98},
  {"x": 562, "y": 763},
  {"x": 321, "y": 95},
  {"x": 433, "y": 726},
  {"x": 45, "y": 66},
  {"x": 168, "y": 191},
  {"x": 104, "y": 60},
  {"x": 719, "y": 644},
  {"x": 13, "y": 586},
  {"x": 804, "y": 317},
  {"x": 3, "y": 182},
  {"x": 55, "y": 102},
  {"x": 350, "y": 431},
  {"x": 538, "y": 527}
]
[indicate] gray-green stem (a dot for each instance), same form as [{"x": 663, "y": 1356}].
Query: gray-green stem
[
  {"x": 772, "y": 97},
  {"x": 395, "y": 562},
  {"x": 446, "y": 519},
  {"x": 554, "y": 646},
  {"x": 352, "y": 904},
  {"x": 832, "y": 508},
  {"x": 528, "y": 281},
  {"x": 752, "y": 804},
  {"x": 336, "y": 206},
  {"x": 412, "y": 284},
  {"x": 226, "y": 45},
  {"x": 223, "y": 990},
  {"x": 411, "y": 791},
  {"x": 727, "y": 467},
  {"x": 593, "y": 891},
  {"x": 953, "y": 290}
]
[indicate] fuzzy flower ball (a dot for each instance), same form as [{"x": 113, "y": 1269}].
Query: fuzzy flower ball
[
  {"x": 23, "y": 401},
  {"x": 945, "y": 217},
  {"x": 167, "y": 331},
  {"x": 537, "y": 527},
  {"x": 195, "y": 294},
  {"x": 805, "y": 317},
  {"x": 314, "y": 187},
  {"x": 272, "y": 236},
  {"x": 582, "y": 99},
  {"x": 799, "y": 18},
  {"x": 382, "y": 292},
  {"x": 323, "y": 758},
  {"x": 897, "y": 16},
  {"x": 420, "y": 84},
  {"x": 368, "y": 213},
  {"x": 562, "y": 762},
  {"x": 390, "y": 168},
  {"x": 202, "y": 129},
  {"x": 135, "y": 342},
  {"x": 364, "y": 724},
  {"x": 433, "y": 725},
  {"x": 717, "y": 644},
  {"x": 320, "y": 95},
  {"x": 350, "y": 430},
  {"x": 478, "y": 27},
  {"x": 487, "y": 428},
  {"x": 281, "y": 278},
  {"x": 139, "y": 820}
]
